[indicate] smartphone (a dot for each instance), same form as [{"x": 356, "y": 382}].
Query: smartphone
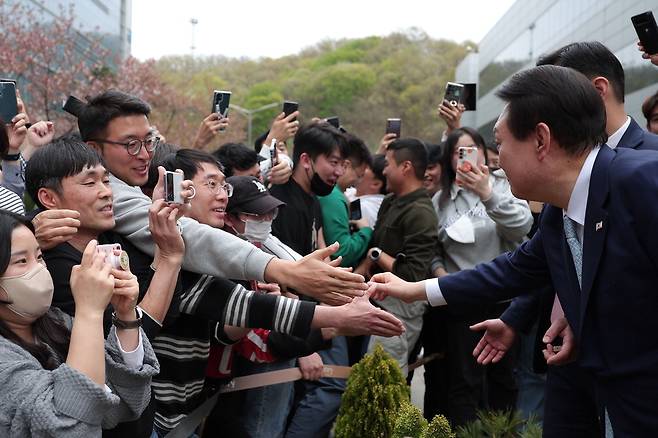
[
  {"x": 73, "y": 106},
  {"x": 454, "y": 93},
  {"x": 647, "y": 31},
  {"x": 274, "y": 157},
  {"x": 467, "y": 153},
  {"x": 355, "y": 210},
  {"x": 220, "y": 102},
  {"x": 8, "y": 102},
  {"x": 172, "y": 187},
  {"x": 394, "y": 126},
  {"x": 333, "y": 121},
  {"x": 290, "y": 107}
]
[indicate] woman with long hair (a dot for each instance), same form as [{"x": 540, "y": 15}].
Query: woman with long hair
[
  {"x": 59, "y": 376},
  {"x": 479, "y": 219}
]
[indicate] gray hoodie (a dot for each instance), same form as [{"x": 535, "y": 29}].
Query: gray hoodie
[
  {"x": 208, "y": 250},
  {"x": 499, "y": 224}
]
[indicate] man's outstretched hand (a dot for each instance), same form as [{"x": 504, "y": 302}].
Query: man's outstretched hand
[
  {"x": 387, "y": 284},
  {"x": 498, "y": 338},
  {"x": 314, "y": 277}
]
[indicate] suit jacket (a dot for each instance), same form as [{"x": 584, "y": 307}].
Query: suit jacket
[
  {"x": 614, "y": 315},
  {"x": 525, "y": 310}
]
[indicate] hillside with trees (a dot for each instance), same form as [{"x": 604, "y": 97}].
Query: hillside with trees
[{"x": 363, "y": 81}]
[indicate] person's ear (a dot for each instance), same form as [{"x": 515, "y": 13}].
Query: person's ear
[
  {"x": 48, "y": 198},
  {"x": 602, "y": 86},
  {"x": 95, "y": 146},
  {"x": 543, "y": 140}
]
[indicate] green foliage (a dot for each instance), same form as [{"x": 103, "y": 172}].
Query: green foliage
[
  {"x": 375, "y": 391},
  {"x": 497, "y": 424},
  {"x": 439, "y": 427},
  {"x": 363, "y": 81},
  {"x": 409, "y": 423}
]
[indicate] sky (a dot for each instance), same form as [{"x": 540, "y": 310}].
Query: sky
[{"x": 260, "y": 28}]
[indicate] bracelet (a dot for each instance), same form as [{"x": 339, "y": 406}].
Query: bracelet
[
  {"x": 125, "y": 325},
  {"x": 12, "y": 157}
]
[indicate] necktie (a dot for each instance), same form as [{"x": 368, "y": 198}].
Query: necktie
[{"x": 575, "y": 246}]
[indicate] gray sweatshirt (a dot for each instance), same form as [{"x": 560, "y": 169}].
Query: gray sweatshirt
[
  {"x": 208, "y": 250},
  {"x": 499, "y": 224},
  {"x": 35, "y": 402}
]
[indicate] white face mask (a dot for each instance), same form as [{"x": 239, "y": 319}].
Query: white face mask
[
  {"x": 29, "y": 294},
  {"x": 255, "y": 231},
  {"x": 462, "y": 230}
]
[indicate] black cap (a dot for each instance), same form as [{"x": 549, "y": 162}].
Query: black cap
[{"x": 250, "y": 196}]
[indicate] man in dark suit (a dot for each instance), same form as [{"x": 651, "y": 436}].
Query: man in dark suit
[
  {"x": 597, "y": 241},
  {"x": 570, "y": 406}
]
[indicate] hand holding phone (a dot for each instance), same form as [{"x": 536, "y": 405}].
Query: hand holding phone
[
  {"x": 220, "y": 103},
  {"x": 114, "y": 256},
  {"x": 647, "y": 31},
  {"x": 467, "y": 154},
  {"x": 274, "y": 157},
  {"x": 172, "y": 187},
  {"x": 454, "y": 93},
  {"x": 290, "y": 107},
  {"x": 355, "y": 210}
]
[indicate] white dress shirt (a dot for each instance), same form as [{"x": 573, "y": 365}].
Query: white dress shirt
[
  {"x": 614, "y": 138},
  {"x": 576, "y": 210}
]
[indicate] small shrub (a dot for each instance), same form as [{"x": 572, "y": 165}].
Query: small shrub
[
  {"x": 410, "y": 422},
  {"x": 375, "y": 391},
  {"x": 439, "y": 427}
]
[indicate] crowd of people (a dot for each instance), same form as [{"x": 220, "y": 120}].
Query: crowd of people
[{"x": 125, "y": 314}]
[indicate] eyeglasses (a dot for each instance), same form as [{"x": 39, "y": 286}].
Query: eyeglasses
[
  {"x": 135, "y": 146},
  {"x": 215, "y": 187},
  {"x": 269, "y": 216}
]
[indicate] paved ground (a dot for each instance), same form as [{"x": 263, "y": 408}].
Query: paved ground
[{"x": 418, "y": 387}]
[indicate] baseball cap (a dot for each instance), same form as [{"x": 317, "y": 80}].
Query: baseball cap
[{"x": 250, "y": 196}]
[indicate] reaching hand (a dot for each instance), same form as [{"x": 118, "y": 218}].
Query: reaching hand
[
  {"x": 329, "y": 284},
  {"x": 387, "y": 284},
  {"x": 126, "y": 292},
  {"x": 474, "y": 179},
  {"x": 92, "y": 283},
  {"x": 360, "y": 223},
  {"x": 386, "y": 140},
  {"x": 283, "y": 127},
  {"x": 212, "y": 125},
  {"x": 41, "y": 133},
  {"x": 52, "y": 227},
  {"x": 164, "y": 231},
  {"x": 360, "y": 317},
  {"x": 555, "y": 354},
  {"x": 17, "y": 131},
  {"x": 498, "y": 338},
  {"x": 311, "y": 367},
  {"x": 280, "y": 174},
  {"x": 451, "y": 114},
  {"x": 653, "y": 58}
]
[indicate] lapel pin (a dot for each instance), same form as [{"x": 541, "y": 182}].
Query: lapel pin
[{"x": 599, "y": 226}]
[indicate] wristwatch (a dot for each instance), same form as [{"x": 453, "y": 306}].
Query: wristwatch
[
  {"x": 374, "y": 254},
  {"x": 120, "y": 324}
]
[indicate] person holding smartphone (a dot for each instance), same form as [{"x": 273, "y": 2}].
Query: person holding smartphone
[{"x": 478, "y": 219}]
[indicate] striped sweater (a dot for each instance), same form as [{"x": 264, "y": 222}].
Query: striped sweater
[{"x": 182, "y": 347}]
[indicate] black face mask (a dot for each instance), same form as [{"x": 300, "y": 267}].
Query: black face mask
[{"x": 318, "y": 186}]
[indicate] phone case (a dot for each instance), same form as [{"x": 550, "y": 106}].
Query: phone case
[
  {"x": 220, "y": 102},
  {"x": 469, "y": 154},
  {"x": 290, "y": 107},
  {"x": 172, "y": 187},
  {"x": 8, "y": 103},
  {"x": 454, "y": 93}
]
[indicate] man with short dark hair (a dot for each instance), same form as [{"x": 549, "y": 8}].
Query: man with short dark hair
[
  {"x": 404, "y": 240},
  {"x": 596, "y": 241},
  {"x": 238, "y": 160},
  {"x": 650, "y": 111}
]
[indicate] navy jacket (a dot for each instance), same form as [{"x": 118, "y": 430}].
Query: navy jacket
[
  {"x": 614, "y": 317},
  {"x": 524, "y": 310}
]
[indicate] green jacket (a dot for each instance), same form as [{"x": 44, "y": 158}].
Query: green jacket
[
  {"x": 336, "y": 228},
  {"x": 406, "y": 229}
]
